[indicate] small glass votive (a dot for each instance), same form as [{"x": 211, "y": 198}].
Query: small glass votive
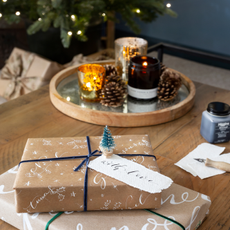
[
  {"x": 90, "y": 80},
  {"x": 144, "y": 76},
  {"x": 126, "y": 48}
]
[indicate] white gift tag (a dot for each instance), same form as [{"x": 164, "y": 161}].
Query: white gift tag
[{"x": 131, "y": 173}]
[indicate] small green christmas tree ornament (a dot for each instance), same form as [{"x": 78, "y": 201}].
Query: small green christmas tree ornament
[{"x": 107, "y": 143}]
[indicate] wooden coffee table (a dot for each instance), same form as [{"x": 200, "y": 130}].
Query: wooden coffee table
[{"x": 34, "y": 116}]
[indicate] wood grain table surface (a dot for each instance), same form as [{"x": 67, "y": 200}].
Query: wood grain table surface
[{"x": 34, "y": 116}]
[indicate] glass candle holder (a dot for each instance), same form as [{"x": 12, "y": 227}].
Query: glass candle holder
[
  {"x": 144, "y": 76},
  {"x": 125, "y": 49},
  {"x": 90, "y": 80}
]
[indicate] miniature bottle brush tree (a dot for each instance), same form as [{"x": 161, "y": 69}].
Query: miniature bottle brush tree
[{"x": 107, "y": 143}]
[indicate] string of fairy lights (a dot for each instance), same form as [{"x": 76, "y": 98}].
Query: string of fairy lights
[{"x": 73, "y": 17}]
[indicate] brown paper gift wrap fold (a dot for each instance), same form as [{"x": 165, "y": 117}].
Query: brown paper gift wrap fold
[
  {"x": 25, "y": 72},
  {"x": 186, "y": 206},
  {"x": 55, "y": 186}
]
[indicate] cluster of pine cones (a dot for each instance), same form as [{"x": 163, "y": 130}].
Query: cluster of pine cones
[
  {"x": 169, "y": 84},
  {"x": 114, "y": 90}
]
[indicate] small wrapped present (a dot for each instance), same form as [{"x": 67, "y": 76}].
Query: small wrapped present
[
  {"x": 181, "y": 205},
  {"x": 48, "y": 186},
  {"x": 25, "y": 72}
]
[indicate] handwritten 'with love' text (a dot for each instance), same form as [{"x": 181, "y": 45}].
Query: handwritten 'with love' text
[{"x": 131, "y": 173}]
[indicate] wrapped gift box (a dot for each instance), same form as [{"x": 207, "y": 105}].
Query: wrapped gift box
[
  {"x": 49, "y": 186},
  {"x": 25, "y": 72},
  {"x": 186, "y": 206}
]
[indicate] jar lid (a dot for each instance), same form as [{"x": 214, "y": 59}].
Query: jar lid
[{"x": 218, "y": 108}]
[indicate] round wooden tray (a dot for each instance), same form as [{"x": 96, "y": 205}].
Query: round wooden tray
[{"x": 119, "y": 119}]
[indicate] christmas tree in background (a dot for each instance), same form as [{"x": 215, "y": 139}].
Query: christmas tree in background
[
  {"x": 107, "y": 143},
  {"x": 74, "y": 16}
]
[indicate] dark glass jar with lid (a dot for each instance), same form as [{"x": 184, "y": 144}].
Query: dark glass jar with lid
[
  {"x": 143, "y": 77},
  {"x": 215, "y": 123}
]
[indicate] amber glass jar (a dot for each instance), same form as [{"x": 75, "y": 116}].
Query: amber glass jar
[{"x": 143, "y": 78}]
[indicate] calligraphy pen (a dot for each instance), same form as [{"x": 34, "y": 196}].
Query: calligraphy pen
[{"x": 215, "y": 164}]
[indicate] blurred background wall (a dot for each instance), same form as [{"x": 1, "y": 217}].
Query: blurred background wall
[{"x": 201, "y": 24}]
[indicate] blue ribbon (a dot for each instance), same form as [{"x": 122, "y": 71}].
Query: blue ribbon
[
  {"x": 86, "y": 160},
  {"x": 86, "y": 171}
]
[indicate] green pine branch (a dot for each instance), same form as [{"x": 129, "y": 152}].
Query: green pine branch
[{"x": 57, "y": 13}]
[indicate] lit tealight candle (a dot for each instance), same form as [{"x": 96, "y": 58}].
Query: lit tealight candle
[{"x": 91, "y": 80}]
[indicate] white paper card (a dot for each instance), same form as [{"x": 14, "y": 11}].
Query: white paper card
[
  {"x": 204, "y": 150},
  {"x": 131, "y": 173},
  {"x": 204, "y": 171}
]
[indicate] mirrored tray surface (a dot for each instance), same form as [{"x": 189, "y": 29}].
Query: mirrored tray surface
[{"x": 69, "y": 90}]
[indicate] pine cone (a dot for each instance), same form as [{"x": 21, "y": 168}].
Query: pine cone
[
  {"x": 112, "y": 94},
  {"x": 163, "y": 67},
  {"x": 115, "y": 78},
  {"x": 114, "y": 90},
  {"x": 169, "y": 84},
  {"x": 110, "y": 70}
]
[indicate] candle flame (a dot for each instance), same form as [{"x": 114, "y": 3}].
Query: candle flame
[
  {"x": 88, "y": 84},
  {"x": 145, "y": 63}
]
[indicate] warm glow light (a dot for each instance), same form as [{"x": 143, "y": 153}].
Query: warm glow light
[
  {"x": 39, "y": 19},
  {"x": 90, "y": 79},
  {"x": 145, "y": 63},
  {"x": 0, "y": 15},
  {"x": 88, "y": 84},
  {"x": 70, "y": 33},
  {"x": 138, "y": 11},
  {"x": 79, "y": 32},
  {"x": 4, "y": 0},
  {"x": 168, "y": 5},
  {"x": 17, "y": 13},
  {"x": 103, "y": 14},
  {"x": 68, "y": 98},
  {"x": 73, "y": 17}
]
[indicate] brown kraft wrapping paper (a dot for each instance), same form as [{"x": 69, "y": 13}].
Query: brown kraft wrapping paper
[
  {"x": 179, "y": 203},
  {"x": 25, "y": 72},
  {"x": 54, "y": 185}
]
